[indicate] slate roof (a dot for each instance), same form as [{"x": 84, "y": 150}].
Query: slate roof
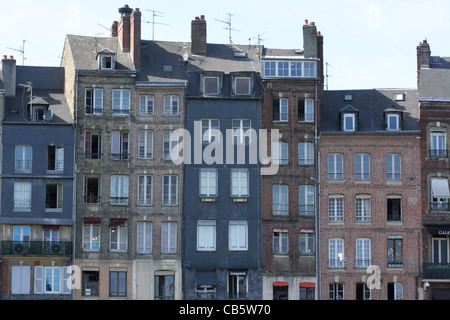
[
  {"x": 371, "y": 106},
  {"x": 435, "y": 80},
  {"x": 48, "y": 88}
]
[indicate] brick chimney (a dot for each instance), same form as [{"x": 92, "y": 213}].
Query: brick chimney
[
  {"x": 135, "y": 37},
  {"x": 310, "y": 40},
  {"x": 423, "y": 58},
  {"x": 198, "y": 36},
  {"x": 123, "y": 28},
  {"x": 114, "y": 29},
  {"x": 9, "y": 75}
]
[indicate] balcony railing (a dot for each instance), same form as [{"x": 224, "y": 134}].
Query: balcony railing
[
  {"x": 439, "y": 206},
  {"x": 436, "y": 271},
  {"x": 58, "y": 248},
  {"x": 438, "y": 153}
]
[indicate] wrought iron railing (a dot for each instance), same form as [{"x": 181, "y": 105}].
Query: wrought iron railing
[
  {"x": 59, "y": 248},
  {"x": 436, "y": 271}
]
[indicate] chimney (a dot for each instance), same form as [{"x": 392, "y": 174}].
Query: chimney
[
  {"x": 9, "y": 75},
  {"x": 123, "y": 28},
  {"x": 320, "y": 55},
  {"x": 310, "y": 40},
  {"x": 423, "y": 58},
  {"x": 135, "y": 37},
  {"x": 198, "y": 36},
  {"x": 114, "y": 29}
]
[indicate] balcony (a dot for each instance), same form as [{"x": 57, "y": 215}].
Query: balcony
[
  {"x": 54, "y": 248},
  {"x": 439, "y": 206},
  {"x": 436, "y": 271},
  {"x": 438, "y": 154}
]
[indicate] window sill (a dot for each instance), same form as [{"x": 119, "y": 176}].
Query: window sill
[
  {"x": 394, "y": 183},
  {"x": 207, "y": 199},
  {"x": 337, "y": 181},
  {"x": 240, "y": 200}
]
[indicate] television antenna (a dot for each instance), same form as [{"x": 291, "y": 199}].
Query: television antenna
[
  {"x": 258, "y": 37},
  {"x": 22, "y": 51},
  {"x": 155, "y": 14},
  {"x": 228, "y": 23},
  {"x": 326, "y": 74}
]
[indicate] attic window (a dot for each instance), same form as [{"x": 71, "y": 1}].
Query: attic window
[
  {"x": 239, "y": 54},
  {"x": 167, "y": 68},
  {"x": 37, "y": 113},
  {"x": 435, "y": 59},
  {"x": 348, "y": 97},
  {"x": 399, "y": 97},
  {"x": 106, "y": 61},
  {"x": 393, "y": 121}
]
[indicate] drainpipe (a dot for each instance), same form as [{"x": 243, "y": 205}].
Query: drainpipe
[
  {"x": 74, "y": 185},
  {"x": 317, "y": 195}
]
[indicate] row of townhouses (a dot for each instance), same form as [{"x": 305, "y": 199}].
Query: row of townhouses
[{"x": 143, "y": 169}]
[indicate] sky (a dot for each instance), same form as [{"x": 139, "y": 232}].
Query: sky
[{"x": 367, "y": 44}]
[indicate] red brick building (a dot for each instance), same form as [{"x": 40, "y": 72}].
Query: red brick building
[{"x": 370, "y": 208}]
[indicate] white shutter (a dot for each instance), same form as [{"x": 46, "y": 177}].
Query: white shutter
[
  {"x": 20, "y": 279},
  {"x": 38, "y": 279}
]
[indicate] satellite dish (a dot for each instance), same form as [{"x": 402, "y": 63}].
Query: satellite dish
[{"x": 48, "y": 115}]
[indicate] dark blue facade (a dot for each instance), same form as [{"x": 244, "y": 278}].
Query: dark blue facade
[{"x": 218, "y": 272}]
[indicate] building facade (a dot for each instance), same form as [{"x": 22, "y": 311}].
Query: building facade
[
  {"x": 370, "y": 195},
  {"x": 292, "y": 83},
  {"x": 36, "y": 218},
  {"x": 433, "y": 79}
]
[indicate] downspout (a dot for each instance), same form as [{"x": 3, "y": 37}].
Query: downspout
[
  {"x": 74, "y": 185},
  {"x": 317, "y": 195}
]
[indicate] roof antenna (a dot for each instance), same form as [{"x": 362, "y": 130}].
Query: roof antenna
[
  {"x": 154, "y": 14},
  {"x": 228, "y": 23},
  {"x": 22, "y": 51},
  {"x": 326, "y": 74}
]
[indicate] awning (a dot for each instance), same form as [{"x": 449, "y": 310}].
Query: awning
[
  {"x": 439, "y": 230},
  {"x": 439, "y": 187},
  {"x": 116, "y": 222},
  {"x": 280, "y": 284},
  {"x": 307, "y": 285},
  {"x": 205, "y": 279},
  {"x": 91, "y": 220}
]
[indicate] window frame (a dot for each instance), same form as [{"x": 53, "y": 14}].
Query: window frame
[
  {"x": 170, "y": 188},
  {"x": 23, "y": 158},
  {"x": 146, "y": 105},
  {"x": 392, "y": 172},
  {"x": 145, "y": 190},
  {"x": 336, "y": 211},
  {"x": 336, "y": 259},
  {"x": 120, "y": 145},
  {"x": 363, "y": 255},
  {"x": 362, "y": 160},
  {"x": 305, "y": 158},
  {"x": 211, "y": 187},
  {"x": 145, "y": 144},
  {"x": 121, "y": 103},
  {"x": 248, "y": 86},
  {"x": 280, "y": 208},
  {"x": 144, "y": 237},
  {"x": 119, "y": 190},
  {"x": 169, "y": 236},
  {"x": 306, "y": 198},
  {"x": 280, "y": 242},
  {"x": 93, "y": 101},
  {"x": 242, "y": 188},
  {"x": 345, "y": 124},
  {"x": 93, "y": 237},
  {"x": 171, "y": 105},
  {"x": 24, "y": 195},
  {"x": 336, "y": 164},
  {"x": 206, "y": 235},
  {"x": 118, "y": 238},
  {"x": 236, "y": 240}
]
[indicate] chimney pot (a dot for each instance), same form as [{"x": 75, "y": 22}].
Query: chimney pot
[
  {"x": 11, "y": 57},
  {"x": 202, "y": 17},
  {"x": 5, "y": 57},
  {"x": 306, "y": 21}
]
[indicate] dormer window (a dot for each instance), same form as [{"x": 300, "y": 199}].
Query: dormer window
[
  {"x": 106, "y": 59},
  {"x": 349, "y": 122},
  {"x": 393, "y": 121},
  {"x": 37, "y": 113},
  {"x": 211, "y": 85},
  {"x": 242, "y": 86}
]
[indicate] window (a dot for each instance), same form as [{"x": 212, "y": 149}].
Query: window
[
  {"x": 170, "y": 145},
  {"x": 363, "y": 212},
  {"x": 283, "y": 68},
  {"x": 55, "y": 158},
  {"x": 440, "y": 250},
  {"x": 54, "y": 196},
  {"x": 20, "y": 279},
  {"x": 119, "y": 147},
  {"x": 335, "y": 167},
  {"x": 393, "y": 167},
  {"x": 438, "y": 144},
  {"x": 394, "y": 254},
  {"x": 208, "y": 182},
  {"x": 362, "y": 167},
  {"x": 349, "y": 122},
  {"x": 90, "y": 283},
  {"x": 210, "y": 130},
  {"x": 270, "y": 69},
  {"x": 239, "y": 183},
  {"x": 289, "y": 69},
  {"x": 282, "y": 157},
  {"x": 146, "y": 105},
  {"x": 305, "y": 153},
  {"x": 395, "y": 291},
  {"x": 121, "y": 102},
  {"x": 145, "y": 190},
  {"x": 24, "y": 158},
  {"x": 92, "y": 145},
  {"x": 296, "y": 69},
  {"x": 144, "y": 237},
  {"x": 171, "y": 106},
  {"x": 306, "y": 200},
  {"x": 363, "y": 253},
  {"x": 393, "y": 122},
  {"x": 237, "y": 285},
  {"x": 306, "y": 242},
  {"x": 306, "y": 110},
  {"x": 21, "y": 233},
  {"x": 394, "y": 209},
  {"x": 52, "y": 279},
  {"x": 145, "y": 142},
  {"x": 119, "y": 190},
  {"x": 22, "y": 196},
  {"x": 106, "y": 61},
  {"x": 238, "y": 235},
  {"x": 363, "y": 292},
  {"x": 91, "y": 189},
  {"x": 91, "y": 237},
  {"x": 280, "y": 110},
  {"x": 307, "y": 292},
  {"x": 280, "y": 291},
  {"x": 169, "y": 237},
  {"x": 309, "y": 69},
  {"x": 93, "y": 101},
  {"x": 440, "y": 194},
  {"x": 206, "y": 235},
  {"x": 242, "y": 86},
  {"x": 170, "y": 190},
  {"x": 117, "y": 284},
  {"x": 241, "y": 131},
  {"x": 336, "y": 208},
  {"x": 164, "y": 287},
  {"x": 280, "y": 241},
  {"x": 211, "y": 85},
  {"x": 37, "y": 113},
  {"x": 118, "y": 238},
  {"x": 280, "y": 199},
  {"x": 336, "y": 253},
  {"x": 50, "y": 237}
]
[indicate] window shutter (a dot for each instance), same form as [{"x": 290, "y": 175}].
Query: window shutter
[
  {"x": 65, "y": 288},
  {"x": 87, "y": 143},
  {"x": 38, "y": 279}
]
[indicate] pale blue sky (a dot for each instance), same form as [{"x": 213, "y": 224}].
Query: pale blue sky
[{"x": 367, "y": 44}]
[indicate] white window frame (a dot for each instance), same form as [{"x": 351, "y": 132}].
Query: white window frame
[
  {"x": 336, "y": 253},
  {"x": 170, "y": 145},
  {"x": 120, "y": 243},
  {"x": 352, "y": 117},
  {"x": 22, "y": 196},
  {"x": 438, "y": 144},
  {"x": 280, "y": 199},
  {"x": 120, "y": 144},
  {"x": 306, "y": 199},
  {"x": 59, "y": 197},
  {"x": 121, "y": 101},
  {"x": 306, "y": 242},
  {"x": 54, "y": 274},
  {"x": 238, "y": 235},
  {"x": 210, "y": 78},
  {"x": 335, "y": 166},
  {"x": 58, "y": 158},
  {"x": 362, "y": 160},
  {"x": 280, "y": 242},
  {"x": 91, "y": 237},
  {"x": 208, "y": 182},
  {"x": 210, "y": 130},
  {"x": 96, "y": 103},
  {"x": 144, "y": 237},
  {"x": 21, "y": 233},
  {"x": 169, "y": 237},
  {"x": 206, "y": 235},
  {"x": 146, "y": 105},
  {"x": 283, "y": 110},
  {"x": 282, "y": 157},
  {"x": 239, "y": 182},
  {"x": 241, "y": 131},
  {"x": 103, "y": 61},
  {"x": 305, "y": 153},
  {"x": 145, "y": 190},
  {"x": 363, "y": 253},
  {"x": 171, "y": 105},
  {"x": 23, "y": 158},
  {"x": 236, "y": 86},
  {"x": 289, "y": 69},
  {"x": 169, "y": 198},
  {"x": 119, "y": 190},
  {"x": 396, "y": 118},
  {"x": 145, "y": 147},
  {"x": 363, "y": 208},
  {"x": 336, "y": 208},
  {"x": 393, "y": 167}
]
